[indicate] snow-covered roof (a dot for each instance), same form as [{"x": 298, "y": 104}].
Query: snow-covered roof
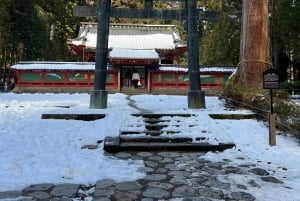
[
  {"x": 50, "y": 65},
  {"x": 202, "y": 69},
  {"x": 121, "y": 53},
  {"x": 131, "y": 36},
  {"x": 54, "y": 65}
]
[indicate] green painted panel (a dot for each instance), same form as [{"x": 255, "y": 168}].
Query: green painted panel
[
  {"x": 168, "y": 78},
  {"x": 209, "y": 79},
  {"x": 110, "y": 77},
  {"x": 75, "y": 77},
  {"x": 54, "y": 77},
  {"x": 164, "y": 78},
  {"x": 157, "y": 78},
  {"x": 31, "y": 77},
  {"x": 183, "y": 78}
]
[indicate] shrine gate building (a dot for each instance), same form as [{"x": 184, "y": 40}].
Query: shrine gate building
[{"x": 151, "y": 50}]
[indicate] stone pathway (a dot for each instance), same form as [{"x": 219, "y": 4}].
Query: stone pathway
[
  {"x": 169, "y": 176},
  {"x": 173, "y": 176},
  {"x": 132, "y": 103}
]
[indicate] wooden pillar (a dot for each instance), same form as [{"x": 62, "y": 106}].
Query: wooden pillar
[
  {"x": 66, "y": 80},
  {"x": 90, "y": 78},
  {"x": 19, "y": 73},
  {"x": 255, "y": 43},
  {"x": 119, "y": 79},
  {"x": 148, "y": 4},
  {"x": 149, "y": 73},
  {"x": 219, "y": 81},
  {"x": 98, "y": 99},
  {"x": 196, "y": 97},
  {"x": 42, "y": 78}
]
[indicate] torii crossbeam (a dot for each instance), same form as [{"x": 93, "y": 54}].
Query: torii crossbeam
[{"x": 147, "y": 13}]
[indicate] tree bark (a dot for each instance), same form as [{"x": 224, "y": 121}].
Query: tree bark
[{"x": 255, "y": 43}]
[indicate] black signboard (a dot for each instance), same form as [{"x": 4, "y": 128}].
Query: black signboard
[{"x": 271, "y": 79}]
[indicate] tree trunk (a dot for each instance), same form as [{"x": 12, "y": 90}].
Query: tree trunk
[{"x": 255, "y": 43}]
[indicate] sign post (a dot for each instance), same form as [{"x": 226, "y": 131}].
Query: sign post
[{"x": 271, "y": 81}]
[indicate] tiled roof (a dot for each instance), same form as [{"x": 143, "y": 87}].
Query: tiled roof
[
  {"x": 54, "y": 66},
  {"x": 132, "y": 36},
  {"x": 171, "y": 67},
  {"x": 228, "y": 69},
  {"x": 31, "y": 65},
  {"x": 121, "y": 53}
]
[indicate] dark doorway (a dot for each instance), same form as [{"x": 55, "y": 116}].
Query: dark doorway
[{"x": 124, "y": 71}]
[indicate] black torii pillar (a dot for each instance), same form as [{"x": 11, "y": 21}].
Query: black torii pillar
[
  {"x": 148, "y": 4},
  {"x": 196, "y": 97},
  {"x": 98, "y": 99}
]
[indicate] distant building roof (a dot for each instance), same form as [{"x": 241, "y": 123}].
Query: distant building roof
[
  {"x": 31, "y": 65},
  {"x": 121, "y": 53},
  {"x": 131, "y": 36},
  {"x": 53, "y": 65},
  {"x": 229, "y": 69}
]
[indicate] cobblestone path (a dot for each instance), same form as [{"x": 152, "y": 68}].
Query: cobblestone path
[{"x": 169, "y": 176}]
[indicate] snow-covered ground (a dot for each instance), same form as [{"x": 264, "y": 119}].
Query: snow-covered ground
[
  {"x": 33, "y": 150},
  {"x": 295, "y": 98}
]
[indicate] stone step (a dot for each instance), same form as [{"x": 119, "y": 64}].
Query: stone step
[
  {"x": 179, "y": 146},
  {"x": 133, "y": 91},
  {"x": 148, "y": 132},
  {"x": 155, "y": 121},
  {"x": 233, "y": 116},
  {"x": 159, "y": 115},
  {"x": 155, "y": 139},
  {"x": 115, "y": 144},
  {"x": 155, "y": 127},
  {"x": 82, "y": 117}
]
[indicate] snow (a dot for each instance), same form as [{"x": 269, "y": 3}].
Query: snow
[
  {"x": 34, "y": 150},
  {"x": 202, "y": 68},
  {"x": 150, "y": 54},
  {"x": 54, "y": 65},
  {"x": 126, "y": 53},
  {"x": 295, "y": 98},
  {"x": 132, "y": 36}
]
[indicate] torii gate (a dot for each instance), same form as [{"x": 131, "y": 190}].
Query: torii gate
[{"x": 98, "y": 99}]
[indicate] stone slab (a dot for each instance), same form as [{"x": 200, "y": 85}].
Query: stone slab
[{"x": 69, "y": 190}]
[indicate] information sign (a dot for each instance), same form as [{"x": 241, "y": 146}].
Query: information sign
[{"x": 271, "y": 79}]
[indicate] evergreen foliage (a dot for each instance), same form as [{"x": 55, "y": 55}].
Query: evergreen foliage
[
  {"x": 285, "y": 28},
  {"x": 38, "y": 30},
  {"x": 220, "y": 41}
]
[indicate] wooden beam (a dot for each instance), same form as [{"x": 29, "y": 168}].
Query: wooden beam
[
  {"x": 88, "y": 11},
  {"x": 84, "y": 11}
]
